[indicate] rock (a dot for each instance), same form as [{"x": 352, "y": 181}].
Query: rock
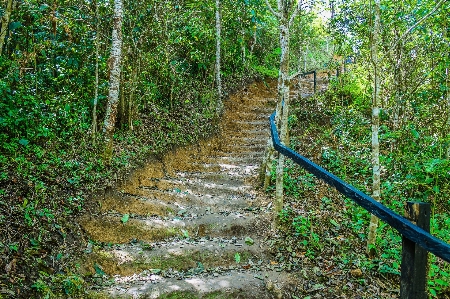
[{"x": 356, "y": 272}]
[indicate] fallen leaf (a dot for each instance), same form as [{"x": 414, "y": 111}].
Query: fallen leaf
[{"x": 11, "y": 267}]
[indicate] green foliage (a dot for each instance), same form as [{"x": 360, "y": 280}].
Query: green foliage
[
  {"x": 413, "y": 134},
  {"x": 50, "y": 163},
  {"x": 237, "y": 257},
  {"x": 302, "y": 229},
  {"x": 69, "y": 285}
]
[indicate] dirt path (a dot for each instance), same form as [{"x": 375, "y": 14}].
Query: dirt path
[{"x": 193, "y": 225}]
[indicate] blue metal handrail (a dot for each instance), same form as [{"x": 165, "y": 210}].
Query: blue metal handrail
[{"x": 401, "y": 224}]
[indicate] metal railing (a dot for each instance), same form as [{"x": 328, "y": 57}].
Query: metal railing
[{"x": 414, "y": 258}]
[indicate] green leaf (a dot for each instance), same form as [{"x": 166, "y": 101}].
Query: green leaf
[
  {"x": 99, "y": 270},
  {"x": 332, "y": 221},
  {"x": 14, "y": 25},
  {"x": 237, "y": 257},
  {"x": 441, "y": 282},
  {"x": 156, "y": 271},
  {"x": 433, "y": 292},
  {"x": 436, "y": 189},
  {"x": 125, "y": 218},
  {"x": 43, "y": 7},
  {"x": 249, "y": 241},
  {"x": 200, "y": 266},
  {"x": 24, "y": 142}
]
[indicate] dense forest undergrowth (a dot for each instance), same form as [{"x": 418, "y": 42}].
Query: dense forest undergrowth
[
  {"x": 382, "y": 126},
  {"x": 45, "y": 189},
  {"x": 55, "y": 69},
  {"x": 328, "y": 230}
]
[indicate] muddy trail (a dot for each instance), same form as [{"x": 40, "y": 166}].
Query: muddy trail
[{"x": 193, "y": 224}]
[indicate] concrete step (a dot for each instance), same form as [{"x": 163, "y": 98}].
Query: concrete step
[
  {"x": 110, "y": 229},
  {"x": 175, "y": 256}
]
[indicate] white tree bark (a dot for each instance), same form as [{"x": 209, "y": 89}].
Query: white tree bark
[
  {"x": 114, "y": 79},
  {"x": 97, "y": 52},
  {"x": 5, "y": 23},
  {"x": 448, "y": 108},
  {"x": 282, "y": 14},
  {"x": 284, "y": 94},
  {"x": 253, "y": 41},
  {"x": 218, "y": 57},
  {"x": 447, "y": 84},
  {"x": 376, "y": 192}
]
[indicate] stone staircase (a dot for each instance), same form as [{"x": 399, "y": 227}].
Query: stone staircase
[{"x": 192, "y": 224}]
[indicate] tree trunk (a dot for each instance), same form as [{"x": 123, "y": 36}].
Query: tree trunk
[
  {"x": 447, "y": 85},
  {"x": 448, "y": 107},
  {"x": 219, "y": 106},
  {"x": 284, "y": 95},
  {"x": 299, "y": 82},
  {"x": 97, "y": 50},
  {"x": 131, "y": 98},
  {"x": 114, "y": 80},
  {"x": 376, "y": 193},
  {"x": 5, "y": 23},
  {"x": 243, "y": 50},
  {"x": 253, "y": 41}
]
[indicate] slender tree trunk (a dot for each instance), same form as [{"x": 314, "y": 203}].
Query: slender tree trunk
[
  {"x": 376, "y": 192},
  {"x": 97, "y": 52},
  {"x": 253, "y": 42},
  {"x": 114, "y": 80},
  {"x": 305, "y": 59},
  {"x": 121, "y": 117},
  {"x": 447, "y": 84},
  {"x": 133, "y": 90},
  {"x": 448, "y": 107},
  {"x": 299, "y": 83},
  {"x": 5, "y": 23},
  {"x": 219, "y": 106},
  {"x": 284, "y": 94},
  {"x": 243, "y": 50}
]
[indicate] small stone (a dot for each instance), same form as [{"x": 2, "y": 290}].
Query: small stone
[{"x": 356, "y": 272}]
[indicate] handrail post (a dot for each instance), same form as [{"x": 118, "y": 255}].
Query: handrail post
[
  {"x": 413, "y": 279},
  {"x": 315, "y": 80}
]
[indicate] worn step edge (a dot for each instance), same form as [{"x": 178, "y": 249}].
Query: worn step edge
[
  {"x": 178, "y": 256},
  {"x": 227, "y": 286},
  {"x": 164, "y": 203},
  {"x": 110, "y": 229}
]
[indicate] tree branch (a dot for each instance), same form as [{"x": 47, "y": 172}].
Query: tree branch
[
  {"x": 295, "y": 13},
  {"x": 404, "y": 35},
  {"x": 276, "y": 14}
]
